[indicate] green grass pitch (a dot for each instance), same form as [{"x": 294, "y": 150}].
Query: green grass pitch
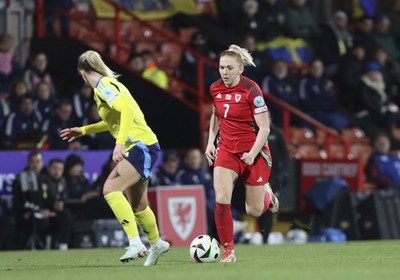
[{"x": 377, "y": 260}]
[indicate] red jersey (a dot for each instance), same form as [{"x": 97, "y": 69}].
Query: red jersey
[{"x": 236, "y": 108}]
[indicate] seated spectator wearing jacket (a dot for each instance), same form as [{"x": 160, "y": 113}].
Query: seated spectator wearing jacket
[
  {"x": 318, "y": 100},
  {"x": 383, "y": 167},
  {"x": 375, "y": 111},
  {"x": 165, "y": 174}
]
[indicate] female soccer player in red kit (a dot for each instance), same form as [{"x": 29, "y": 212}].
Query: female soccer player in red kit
[{"x": 241, "y": 117}]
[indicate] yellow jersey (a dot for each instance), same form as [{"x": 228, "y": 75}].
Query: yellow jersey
[{"x": 120, "y": 114}]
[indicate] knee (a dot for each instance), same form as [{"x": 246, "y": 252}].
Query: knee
[
  {"x": 222, "y": 198},
  {"x": 254, "y": 211}
]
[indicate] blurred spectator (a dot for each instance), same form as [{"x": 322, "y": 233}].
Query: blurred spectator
[
  {"x": 83, "y": 200},
  {"x": 135, "y": 62},
  {"x": 51, "y": 15},
  {"x": 18, "y": 89},
  {"x": 22, "y": 128},
  {"x": 335, "y": 41},
  {"x": 194, "y": 172},
  {"x": 394, "y": 14},
  {"x": 375, "y": 109},
  {"x": 165, "y": 174},
  {"x": 318, "y": 100},
  {"x": 391, "y": 74},
  {"x": 152, "y": 72},
  {"x": 81, "y": 101},
  {"x": 98, "y": 141},
  {"x": 228, "y": 12},
  {"x": 383, "y": 167},
  {"x": 299, "y": 22},
  {"x": 38, "y": 72},
  {"x": 188, "y": 64},
  {"x": 350, "y": 70},
  {"x": 62, "y": 119},
  {"x": 282, "y": 85},
  {"x": 9, "y": 68},
  {"x": 38, "y": 207},
  {"x": 384, "y": 38},
  {"x": 43, "y": 104},
  {"x": 272, "y": 17},
  {"x": 4, "y": 111},
  {"x": 363, "y": 35},
  {"x": 260, "y": 58},
  {"x": 248, "y": 23}
]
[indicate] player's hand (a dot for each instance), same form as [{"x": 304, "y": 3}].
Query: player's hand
[
  {"x": 118, "y": 153},
  {"x": 70, "y": 134},
  {"x": 210, "y": 154},
  {"x": 248, "y": 158}
]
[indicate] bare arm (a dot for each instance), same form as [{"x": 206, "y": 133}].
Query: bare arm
[
  {"x": 212, "y": 133},
  {"x": 262, "y": 121}
]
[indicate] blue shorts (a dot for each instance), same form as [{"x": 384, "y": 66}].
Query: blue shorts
[{"x": 143, "y": 157}]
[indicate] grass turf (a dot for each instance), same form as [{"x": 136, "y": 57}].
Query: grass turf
[{"x": 375, "y": 260}]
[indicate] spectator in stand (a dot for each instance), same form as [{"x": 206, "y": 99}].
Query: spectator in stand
[
  {"x": 81, "y": 101},
  {"x": 335, "y": 41},
  {"x": 318, "y": 100},
  {"x": 152, "y": 72},
  {"x": 92, "y": 204},
  {"x": 383, "y": 167},
  {"x": 22, "y": 128},
  {"x": 299, "y": 22},
  {"x": 394, "y": 14},
  {"x": 38, "y": 72},
  {"x": 350, "y": 70},
  {"x": 282, "y": 85},
  {"x": 249, "y": 22},
  {"x": 165, "y": 174},
  {"x": 363, "y": 35},
  {"x": 193, "y": 172},
  {"x": 391, "y": 74},
  {"x": 62, "y": 119},
  {"x": 272, "y": 17},
  {"x": 18, "y": 89},
  {"x": 98, "y": 141},
  {"x": 135, "y": 62},
  {"x": 228, "y": 12},
  {"x": 188, "y": 64},
  {"x": 54, "y": 188},
  {"x": 375, "y": 111},
  {"x": 9, "y": 68},
  {"x": 37, "y": 207},
  {"x": 43, "y": 104},
  {"x": 261, "y": 59},
  {"x": 4, "y": 112},
  {"x": 384, "y": 38},
  {"x": 52, "y": 14}
]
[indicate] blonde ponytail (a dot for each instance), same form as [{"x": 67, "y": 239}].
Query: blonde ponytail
[
  {"x": 91, "y": 61},
  {"x": 242, "y": 55}
]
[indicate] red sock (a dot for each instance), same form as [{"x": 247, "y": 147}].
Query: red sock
[
  {"x": 224, "y": 222},
  {"x": 267, "y": 202}
]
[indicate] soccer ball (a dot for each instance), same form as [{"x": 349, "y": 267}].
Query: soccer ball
[{"x": 204, "y": 249}]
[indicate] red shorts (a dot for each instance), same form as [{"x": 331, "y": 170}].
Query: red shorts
[{"x": 256, "y": 174}]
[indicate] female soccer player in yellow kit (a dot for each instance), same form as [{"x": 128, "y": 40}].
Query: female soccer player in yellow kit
[{"x": 135, "y": 152}]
